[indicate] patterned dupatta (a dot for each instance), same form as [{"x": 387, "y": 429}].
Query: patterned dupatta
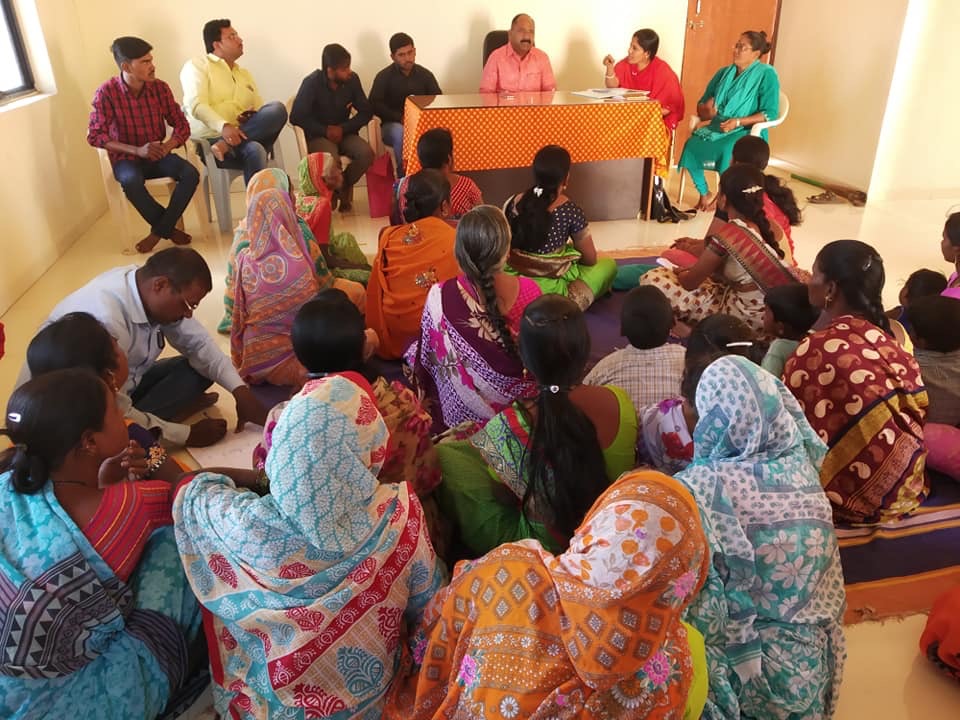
[
  {"x": 307, "y": 587},
  {"x": 313, "y": 204},
  {"x": 594, "y": 632},
  {"x": 772, "y": 606},
  {"x": 460, "y": 362},
  {"x": 276, "y": 277},
  {"x": 760, "y": 260},
  {"x": 864, "y": 396},
  {"x": 61, "y": 607}
]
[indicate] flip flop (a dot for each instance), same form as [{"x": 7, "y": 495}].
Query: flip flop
[{"x": 827, "y": 197}]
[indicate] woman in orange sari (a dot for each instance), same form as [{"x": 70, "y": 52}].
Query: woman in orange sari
[
  {"x": 410, "y": 259},
  {"x": 592, "y": 633}
]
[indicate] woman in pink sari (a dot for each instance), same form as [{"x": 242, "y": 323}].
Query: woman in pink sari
[
  {"x": 467, "y": 358},
  {"x": 275, "y": 276}
]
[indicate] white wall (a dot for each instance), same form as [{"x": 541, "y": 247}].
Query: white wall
[
  {"x": 50, "y": 190},
  {"x": 919, "y": 152},
  {"x": 836, "y": 62}
]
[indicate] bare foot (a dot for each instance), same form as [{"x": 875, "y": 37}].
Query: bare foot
[
  {"x": 148, "y": 243},
  {"x": 707, "y": 202},
  {"x": 179, "y": 237},
  {"x": 198, "y": 404},
  {"x": 220, "y": 150}
]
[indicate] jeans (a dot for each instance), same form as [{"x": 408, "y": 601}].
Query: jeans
[
  {"x": 131, "y": 175},
  {"x": 262, "y": 131},
  {"x": 392, "y": 134},
  {"x": 355, "y": 148},
  {"x": 168, "y": 387}
]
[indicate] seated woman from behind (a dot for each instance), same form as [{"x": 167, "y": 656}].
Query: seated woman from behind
[
  {"x": 772, "y": 606},
  {"x": 329, "y": 339},
  {"x": 860, "y": 390},
  {"x": 467, "y": 358},
  {"x": 535, "y": 468},
  {"x": 276, "y": 179},
  {"x": 98, "y": 615},
  {"x": 320, "y": 176},
  {"x": 411, "y": 258},
  {"x": 543, "y": 219},
  {"x": 435, "y": 152},
  {"x": 275, "y": 276},
  {"x": 739, "y": 262},
  {"x": 779, "y": 202},
  {"x": 308, "y": 587},
  {"x": 79, "y": 340},
  {"x": 594, "y": 632}
]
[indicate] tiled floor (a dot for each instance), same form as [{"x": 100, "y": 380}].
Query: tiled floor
[{"x": 885, "y": 677}]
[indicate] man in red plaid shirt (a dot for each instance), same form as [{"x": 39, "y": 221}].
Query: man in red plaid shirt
[{"x": 129, "y": 119}]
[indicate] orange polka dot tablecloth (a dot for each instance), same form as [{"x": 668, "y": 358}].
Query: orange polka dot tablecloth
[{"x": 489, "y": 134}]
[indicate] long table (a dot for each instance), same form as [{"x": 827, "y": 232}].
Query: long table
[{"x": 496, "y": 136}]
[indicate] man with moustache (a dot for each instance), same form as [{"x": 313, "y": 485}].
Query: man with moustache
[
  {"x": 391, "y": 87},
  {"x": 131, "y": 112},
  {"x": 323, "y": 108},
  {"x": 223, "y": 105},
  {"x": 518, "y": 66}
]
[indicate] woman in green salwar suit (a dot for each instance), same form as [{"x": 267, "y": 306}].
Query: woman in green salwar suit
[{"x": 737, "y": 96}]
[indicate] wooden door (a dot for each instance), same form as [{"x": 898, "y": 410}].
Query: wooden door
[{"x": 713, "y": 27}]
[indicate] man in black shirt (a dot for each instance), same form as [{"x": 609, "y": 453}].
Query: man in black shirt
[
  {"x": 391, "y": 87},
  {"x": 323, "y": 108}
]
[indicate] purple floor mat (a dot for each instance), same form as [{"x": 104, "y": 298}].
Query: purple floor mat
[{"x": 603, "y": 319}]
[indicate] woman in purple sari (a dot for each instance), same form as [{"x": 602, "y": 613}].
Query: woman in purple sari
[{"x": 466, "y": 359}]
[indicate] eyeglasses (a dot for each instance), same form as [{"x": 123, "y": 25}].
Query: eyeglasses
[{"x": 742, "y": 46}]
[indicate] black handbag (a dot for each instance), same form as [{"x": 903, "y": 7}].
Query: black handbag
[{"x": 660, "y": 208}]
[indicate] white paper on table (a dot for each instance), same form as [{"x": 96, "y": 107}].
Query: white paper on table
[
  {"x": 601, "y": 93},
  {"x": 235, "y": 450}
]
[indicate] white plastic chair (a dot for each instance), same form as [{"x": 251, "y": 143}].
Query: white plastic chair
[
  {"x": 755, "y": 130},
  {"x": 120, "y": 207},
  {"x": 218, "y": 180}
]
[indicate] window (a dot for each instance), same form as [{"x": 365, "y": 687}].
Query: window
[{"x": 15, "y": 74}]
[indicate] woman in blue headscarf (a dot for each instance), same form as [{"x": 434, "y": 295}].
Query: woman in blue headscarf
[{"x": 771, "y": 608}]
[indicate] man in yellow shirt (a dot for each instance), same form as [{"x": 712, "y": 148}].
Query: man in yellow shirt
[{"x": 223, "y": 105}]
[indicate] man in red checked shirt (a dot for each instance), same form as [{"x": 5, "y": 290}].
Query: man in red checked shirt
[{"x": 129, "y": 119}]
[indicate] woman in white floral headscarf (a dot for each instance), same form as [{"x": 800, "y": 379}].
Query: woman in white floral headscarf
[
  {"x": 305, "y": 589},
  {"x": 771, "y": 608}
]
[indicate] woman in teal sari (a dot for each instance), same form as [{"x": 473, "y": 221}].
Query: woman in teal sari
[
  {"x": 85, "y": 634},
  {"x": 534, "y": 469},
  {"x": 771, "y": 608},
  {"x": 737, "y": 96}
]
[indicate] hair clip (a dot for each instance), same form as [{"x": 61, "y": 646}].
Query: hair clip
[
  {"x": 538, "y": 191},
  {"x": 752, "y": 189},
  {"x": 14, "y": 417},
  {"x": 867, "y": 264},
  {"x": 739, "y": 343}
]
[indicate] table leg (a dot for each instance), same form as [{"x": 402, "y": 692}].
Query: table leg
[{"x": 650, "y": 188}]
